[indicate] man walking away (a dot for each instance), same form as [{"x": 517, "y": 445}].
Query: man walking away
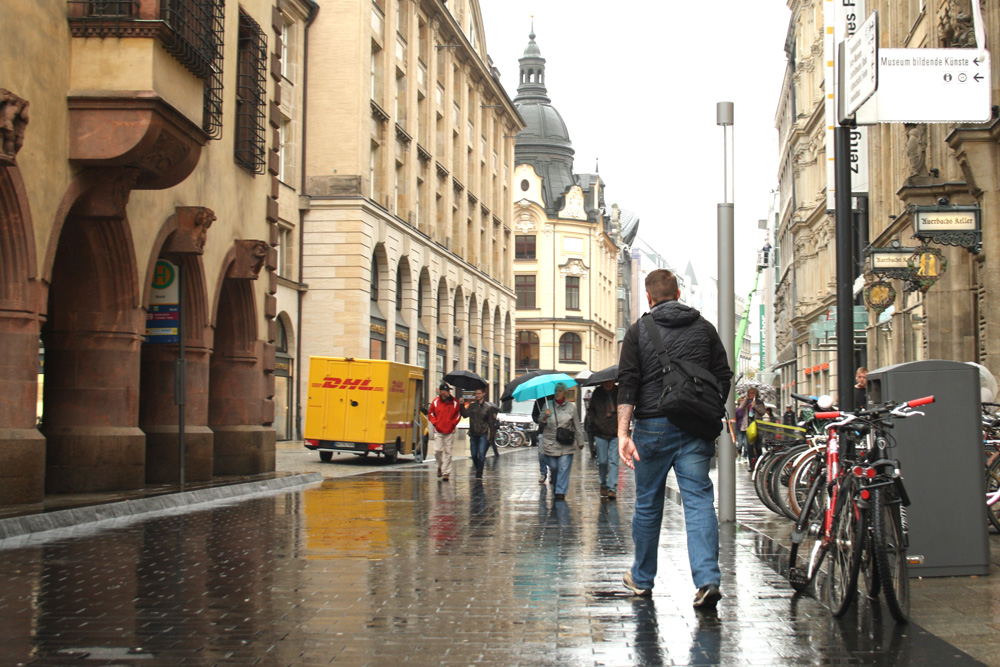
[
  {"x": 660, "y": 446},
  {"x": 602, "y": 424},
  {"x": 444, "y": 415},
  {"x": 481, "y": 415}
]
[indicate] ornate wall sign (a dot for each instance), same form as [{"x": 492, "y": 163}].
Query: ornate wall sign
[
  {"x": 879, "y": 295},
  {"x": 927, "y": 265},
  {"x": 949, "y": 225}
]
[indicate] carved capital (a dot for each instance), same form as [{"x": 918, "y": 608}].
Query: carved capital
[
  {"x": 13, "y": 123},
  {"x": 250, "y": 256},
  {"x": 192, "y": 230},
  {"x": 109, "y": 197}
]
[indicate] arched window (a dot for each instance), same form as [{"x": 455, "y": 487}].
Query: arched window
[
  {"x": 399, "y": 290},
  {"x": 374, "y": 293},
  {"x": 570, "y": 348},
  {"x": 527, "y": 350},
  {"x": 281, "y": 341}
]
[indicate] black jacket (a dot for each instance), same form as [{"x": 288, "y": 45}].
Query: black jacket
[
  {"x": 602, "y": 413},
  {"x": 687, "y": 335}
]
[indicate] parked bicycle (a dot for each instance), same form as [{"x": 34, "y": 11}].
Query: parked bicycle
[{"x": 855, "y": 510}]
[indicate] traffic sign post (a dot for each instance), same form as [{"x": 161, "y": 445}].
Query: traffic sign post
[{"x": 859, "y": 67}]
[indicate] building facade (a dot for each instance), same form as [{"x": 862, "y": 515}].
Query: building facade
[
  {"x": 409, "y": 149},
  {"x": 565, "y": 259},
  {"x": 137, "y": 183},
  {"x": 910, "y": 165}
]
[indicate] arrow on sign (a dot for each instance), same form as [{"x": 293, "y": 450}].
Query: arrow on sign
[
  {"x": 978, "y": 77},
  {"x": 976, "y": 60}
]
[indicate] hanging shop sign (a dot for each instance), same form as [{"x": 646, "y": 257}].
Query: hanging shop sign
[
  {"x": 927, "y": 265},
  {"x": 891, "y": 262},
  {"x": 879, "y": 295},
  {"x": 949, "y": 225}
]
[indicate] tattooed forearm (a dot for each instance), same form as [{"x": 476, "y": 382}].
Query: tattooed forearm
[{"x": 624, "y": 418}]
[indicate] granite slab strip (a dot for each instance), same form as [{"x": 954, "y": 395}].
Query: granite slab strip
[{"x": 90, "y": 516}]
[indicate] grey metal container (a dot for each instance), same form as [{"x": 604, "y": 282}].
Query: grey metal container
[{"x": 941, "y": 458}]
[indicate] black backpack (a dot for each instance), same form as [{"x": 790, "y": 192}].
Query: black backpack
[{"x": 691, "y": 397}]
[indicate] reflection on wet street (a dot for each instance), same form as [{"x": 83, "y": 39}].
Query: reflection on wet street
[{"x": 396, "y": 567}]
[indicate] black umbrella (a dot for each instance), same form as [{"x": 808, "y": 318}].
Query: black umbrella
[
  {"x": 609, "y": 373},
  {"x": 508, "y": 391},
  {"x": 466, "y": 380}
]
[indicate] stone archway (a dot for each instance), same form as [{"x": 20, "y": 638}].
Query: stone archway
[
  {"x": 181, "y": 242},
  {"x": 92, "y": 339},
  {"x": 22, "y": 447},
  {"x": 242, "y": 445}
]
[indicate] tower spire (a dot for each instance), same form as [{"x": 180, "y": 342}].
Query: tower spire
[{"x": 531, "y": 87}]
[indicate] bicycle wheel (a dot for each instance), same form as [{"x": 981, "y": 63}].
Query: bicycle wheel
[
  {"x": 781, "y": 479},
  {"x": 845, "y": 550},
  {"x": 992, "y": 484},
  {"x": 518, "y": 438},
  {"x": 503, "y": 438},
  {"x": 806, "y": 538},
  {"x": 762, "y": 484},
  {"x": 889, "y": 550},
  {"x": 805, "y": 471}
]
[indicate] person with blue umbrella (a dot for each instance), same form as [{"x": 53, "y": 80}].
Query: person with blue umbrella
[{"x": 562, "y": 437}]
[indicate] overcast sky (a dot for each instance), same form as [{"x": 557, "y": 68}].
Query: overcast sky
[{"x": 637, "y": 83}]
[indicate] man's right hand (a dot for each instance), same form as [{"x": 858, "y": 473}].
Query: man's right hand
[{"x": 627, "y": 451}]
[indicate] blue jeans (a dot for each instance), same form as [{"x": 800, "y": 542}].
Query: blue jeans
[
  {"x": 607, "y": 461},
  {"x": 560, "y": 467},
  {"x": 663, "y": 446},
  {"x": 479, "y": 445}
]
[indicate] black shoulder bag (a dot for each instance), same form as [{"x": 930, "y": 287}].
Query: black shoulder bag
[
  {"x": 691, "y": 397},
  {"x": 564, "y": 435}
]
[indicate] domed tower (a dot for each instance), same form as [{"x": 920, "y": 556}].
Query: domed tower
[{"x": 544, "y": 142}]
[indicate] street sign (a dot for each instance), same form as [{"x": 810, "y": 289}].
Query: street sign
[
  {"x": 163, "y": 316},
  {"x": 860, "y": 77},
  {"x": 933, "y": 86}
]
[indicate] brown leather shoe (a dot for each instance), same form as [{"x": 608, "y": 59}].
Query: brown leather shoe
[
  {"x": 611, "y": 495},
  {"x": 604, "y": 491}
]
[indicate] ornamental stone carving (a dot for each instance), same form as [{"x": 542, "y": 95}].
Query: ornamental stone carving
[
  {"x": 574, "y": 208},
  {"x": 574, "y": 267},
  {"x": 916, "y": 148},
  {"x": 192, "y": 230},
  {"x": 955, "y": 28},
  {"x": 13, "y": 123},
  {"x": 249, "y": 260}
]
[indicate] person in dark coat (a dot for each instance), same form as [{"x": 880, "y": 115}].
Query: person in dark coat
[
  {"x": 481, "y": 416},
  {"x": 602, "y": 423},
  {"x": 788, "y": 419},
  {"x": 660, "y": 446}
]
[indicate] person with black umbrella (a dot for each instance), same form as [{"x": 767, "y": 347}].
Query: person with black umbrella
[
  {"x": 481, "y": 416},
  {"x": 602, "y": 422}
]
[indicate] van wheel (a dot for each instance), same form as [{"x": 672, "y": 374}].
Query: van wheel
[
  {"x": 391, "y": 457},
  {"x": 325, "y": 456}
]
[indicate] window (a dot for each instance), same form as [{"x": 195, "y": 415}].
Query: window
[
  {"x": 527, "y": 350},
  {"x": 286, "y": 156},
  {"x": 572, "y": 293},
  {"x": 251, "y": 95},
  {"x": 376, "y": 74},
  {"x": 524, "y": 287},
  {"x": 402, "y": 7},
  {"x": 524, "y": 247},
  {"x": 399, "y": 291},
  {"x": 284, "y": 251},
  {"x": 287, "y": 49},
  {"x": 374, "y": 282},
  {"x": 570, "y": 348}
]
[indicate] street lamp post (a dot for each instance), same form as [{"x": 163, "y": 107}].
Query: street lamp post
[{"x": 727, "y": 311}]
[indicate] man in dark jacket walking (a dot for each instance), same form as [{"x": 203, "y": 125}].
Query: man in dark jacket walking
[
  {"x": 659, "y": 445},
  {"x": 602, "y": 423},
  {"x": 481, "y": 415}
]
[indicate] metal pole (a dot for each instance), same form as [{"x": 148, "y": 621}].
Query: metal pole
[
  {"x": 180, "y": 373},
  {"x": 727, "y": 328},
  {"x": 845, "y": 267}
]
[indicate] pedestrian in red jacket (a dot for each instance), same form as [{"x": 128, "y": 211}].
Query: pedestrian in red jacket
[{"x": 444, "y": 414}]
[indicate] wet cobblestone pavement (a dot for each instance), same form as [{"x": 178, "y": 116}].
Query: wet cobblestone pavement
[{"x": 394, "y": 567}]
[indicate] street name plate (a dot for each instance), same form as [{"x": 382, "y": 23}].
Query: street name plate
[
  {"x": 933, "y": 86},
  {"x": 861, "y": 78}
]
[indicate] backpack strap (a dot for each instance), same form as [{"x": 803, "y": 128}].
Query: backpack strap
[{"x": 654, "y": 335}]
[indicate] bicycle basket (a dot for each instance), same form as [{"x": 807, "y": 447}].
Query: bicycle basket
[{"x": 776, "y": 432}]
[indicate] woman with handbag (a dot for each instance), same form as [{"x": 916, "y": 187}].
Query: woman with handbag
[{"x": 561, "y": 438}]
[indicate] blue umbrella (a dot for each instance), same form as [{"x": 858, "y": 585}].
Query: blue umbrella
[{"x": 542, "y": 386}]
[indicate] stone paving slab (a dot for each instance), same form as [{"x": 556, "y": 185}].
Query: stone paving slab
[{"x": 395, "y": 567}]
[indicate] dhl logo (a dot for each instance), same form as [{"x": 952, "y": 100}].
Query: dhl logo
[{"x": 348, "y": 383}]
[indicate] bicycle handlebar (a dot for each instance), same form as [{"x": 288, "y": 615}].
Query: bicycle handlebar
[
  {"x": 834, "y": 414},
  {"x": 803, "y": 398},
  {"x": 920, "y": 401}
]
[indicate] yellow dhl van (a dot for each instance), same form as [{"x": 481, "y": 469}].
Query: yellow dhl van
[{"x": 364, "y": 406}]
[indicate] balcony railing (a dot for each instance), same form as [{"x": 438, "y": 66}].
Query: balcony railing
[{"x": 190, "y": 30}]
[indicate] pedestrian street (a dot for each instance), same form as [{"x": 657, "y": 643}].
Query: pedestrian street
[{"x": 395, "y": 567}]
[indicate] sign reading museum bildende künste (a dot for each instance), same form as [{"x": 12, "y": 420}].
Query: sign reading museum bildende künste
[{"x": 933, "y": 86}]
